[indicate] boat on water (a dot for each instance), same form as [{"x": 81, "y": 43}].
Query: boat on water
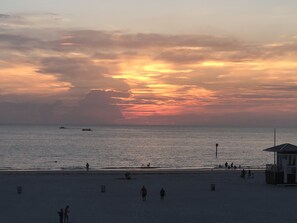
[
  {"x": 86, "y": 129},
  {"x": 62, "y": 127}
]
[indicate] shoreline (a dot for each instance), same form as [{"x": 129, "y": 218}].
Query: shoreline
[{"x": 131, "y": 171}]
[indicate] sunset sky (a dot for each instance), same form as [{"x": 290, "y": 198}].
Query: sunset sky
[{"x": 167, "y": 62}]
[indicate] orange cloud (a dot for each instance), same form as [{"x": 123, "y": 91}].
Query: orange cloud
[
  {"x": 163, "y": 78},
  {"x": 24, "y": 79}
]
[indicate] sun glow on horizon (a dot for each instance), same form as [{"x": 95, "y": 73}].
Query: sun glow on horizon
[{"x": 152, "y": 92}]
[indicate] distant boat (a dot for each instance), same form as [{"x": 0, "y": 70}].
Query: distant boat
[
  {"x": 62, "y": 127},
  {"x": 86, "y": 129}
]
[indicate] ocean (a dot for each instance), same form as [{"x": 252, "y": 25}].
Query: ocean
[{"x": 50, "y": 148}]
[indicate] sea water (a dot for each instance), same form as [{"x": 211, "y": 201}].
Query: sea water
[{"x": 52, "y": 148}]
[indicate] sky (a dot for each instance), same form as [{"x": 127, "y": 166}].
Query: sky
[{"x": 140, "y": 62}]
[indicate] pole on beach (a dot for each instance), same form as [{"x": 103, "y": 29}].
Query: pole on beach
[
  {"x": 274, "y": 142},
  {"x": 274, "y": 136},
  {"x": 274, "y": 158},
  {"x": 217, "y": 149}
]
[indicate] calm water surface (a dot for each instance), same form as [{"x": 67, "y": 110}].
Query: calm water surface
[{"x": 48, "y": 147}]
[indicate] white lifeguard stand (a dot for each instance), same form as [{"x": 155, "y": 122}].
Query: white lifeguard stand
[{"x": 284, "y": 170}]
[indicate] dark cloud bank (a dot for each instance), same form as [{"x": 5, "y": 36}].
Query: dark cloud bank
[{"x": 97, "y": 107}]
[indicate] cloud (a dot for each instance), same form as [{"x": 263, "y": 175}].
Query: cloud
[
  {"x": 19, "y": 43},
  {"x": 82, "y": 73},
  {"x": 97, "y": 107},
  {"x": 86, "y": 39},
  {"x": 4, "y": 16},
  {"x": 141, "y": 77},
  {"x": 7, "y": 20},
  {"x": 20, "y": 21},
  {"x": 26, "y": 113}
]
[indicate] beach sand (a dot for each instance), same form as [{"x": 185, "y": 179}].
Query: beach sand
[{"x": 189, "y": 198}]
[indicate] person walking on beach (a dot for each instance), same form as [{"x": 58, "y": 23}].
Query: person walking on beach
[
  {"x": 61, "y": 215},
  {"x": 143, "y": 193},
  {"x": 162, "y": 193},
  {"x": 243, "y": 172},
  {"x": 87, "y": 166},
  {"x": 66, "y": 214}
]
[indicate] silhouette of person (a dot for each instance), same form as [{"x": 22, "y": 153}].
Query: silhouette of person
[
  {"x": 143, "y": 192},
  {"x": 87, "y": 166},
  {"x": 61, "y": 215},
  {"x": 226, "y": 164},
  {"x": 243, "y": 172},
  {"x": 162, "y": 193},
  {"x": 66, "y": 214},
  {"x": 231, "y": 165},
  {"x": 127, "y": 176}
]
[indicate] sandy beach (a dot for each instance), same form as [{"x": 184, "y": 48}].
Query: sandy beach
[{"x": 188, "y": 197}]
